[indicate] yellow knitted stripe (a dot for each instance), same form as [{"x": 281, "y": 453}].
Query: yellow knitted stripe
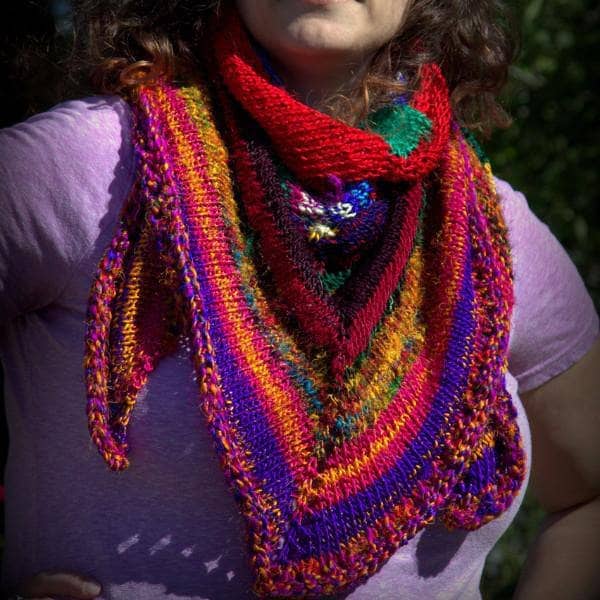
[
  {"x": 275, "y": 395},
  {"x": 130, "y": 344},
  {"x": 448, "y": 238},
  {"x": 377, "y": 372}
]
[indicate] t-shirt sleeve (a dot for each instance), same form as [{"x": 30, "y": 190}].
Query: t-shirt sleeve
[
  {"x": 57, "y": 175},
  {"x": 554, "y": 320}
]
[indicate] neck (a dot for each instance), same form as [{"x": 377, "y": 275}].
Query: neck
[{"x": 313, "y": 82}]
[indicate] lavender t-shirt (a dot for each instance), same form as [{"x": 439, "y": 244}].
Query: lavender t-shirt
[{"x": 167, "y": 527}]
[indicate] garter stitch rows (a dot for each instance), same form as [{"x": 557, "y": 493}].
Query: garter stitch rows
[{"x": 344, "y": 421}]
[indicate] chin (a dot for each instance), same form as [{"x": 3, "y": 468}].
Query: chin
[
  {"x": 316, "y": 35},
  {"x": 313, "y": 39},
  {"x": 298, "y": 29}
]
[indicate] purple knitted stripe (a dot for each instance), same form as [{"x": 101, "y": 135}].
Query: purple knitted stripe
[{"x": 348, "y": 517}]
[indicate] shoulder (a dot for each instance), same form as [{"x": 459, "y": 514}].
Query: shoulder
[
  {"x": 554, "y": 320},
  {"x": 64, "y": 174},
  {"x": 72, "y": 139},
  {"x": 69, "y": 160},
  {"x": 75, "y": 119},
  {"x": 518, "y": 215}
]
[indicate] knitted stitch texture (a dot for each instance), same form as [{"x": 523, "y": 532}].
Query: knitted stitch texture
[{"x": 346, "y": 294}]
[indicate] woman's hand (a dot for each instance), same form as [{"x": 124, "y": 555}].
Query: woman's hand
[{"x": 46, "y": 584}]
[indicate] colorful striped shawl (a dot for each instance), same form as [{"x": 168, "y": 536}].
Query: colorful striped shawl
[{"x": 347, "y": 421}]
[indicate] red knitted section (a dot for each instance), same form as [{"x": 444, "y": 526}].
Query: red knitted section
[{"x": 313, "y": 144}]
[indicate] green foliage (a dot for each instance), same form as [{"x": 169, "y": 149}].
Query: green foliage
[{"x": 551, "y": 152}]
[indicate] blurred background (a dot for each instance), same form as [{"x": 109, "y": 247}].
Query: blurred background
[{"x": 551, "y": 153}]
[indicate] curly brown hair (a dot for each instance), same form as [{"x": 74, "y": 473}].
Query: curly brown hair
[{"x": 121, "y": 44}]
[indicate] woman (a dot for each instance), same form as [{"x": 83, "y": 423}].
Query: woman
[{"x": 287, "y": 223}]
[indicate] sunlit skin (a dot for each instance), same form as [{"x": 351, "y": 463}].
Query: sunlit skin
[{"x": 321, "y": 46}]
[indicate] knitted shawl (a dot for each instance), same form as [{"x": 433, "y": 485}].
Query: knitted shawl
[{"x": 346, "y": 295}]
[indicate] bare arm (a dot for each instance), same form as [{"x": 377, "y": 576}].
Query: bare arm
[{"x": 564, "y": 415}]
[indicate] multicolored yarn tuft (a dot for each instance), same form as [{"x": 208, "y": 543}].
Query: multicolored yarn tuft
[{"x": 346, "y": 294}]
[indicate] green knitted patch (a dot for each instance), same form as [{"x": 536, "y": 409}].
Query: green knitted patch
[
  {"x": 401, "y": 126},
  {"x": 474, "y": 142},
  {"x": 332, "y": 280}
]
